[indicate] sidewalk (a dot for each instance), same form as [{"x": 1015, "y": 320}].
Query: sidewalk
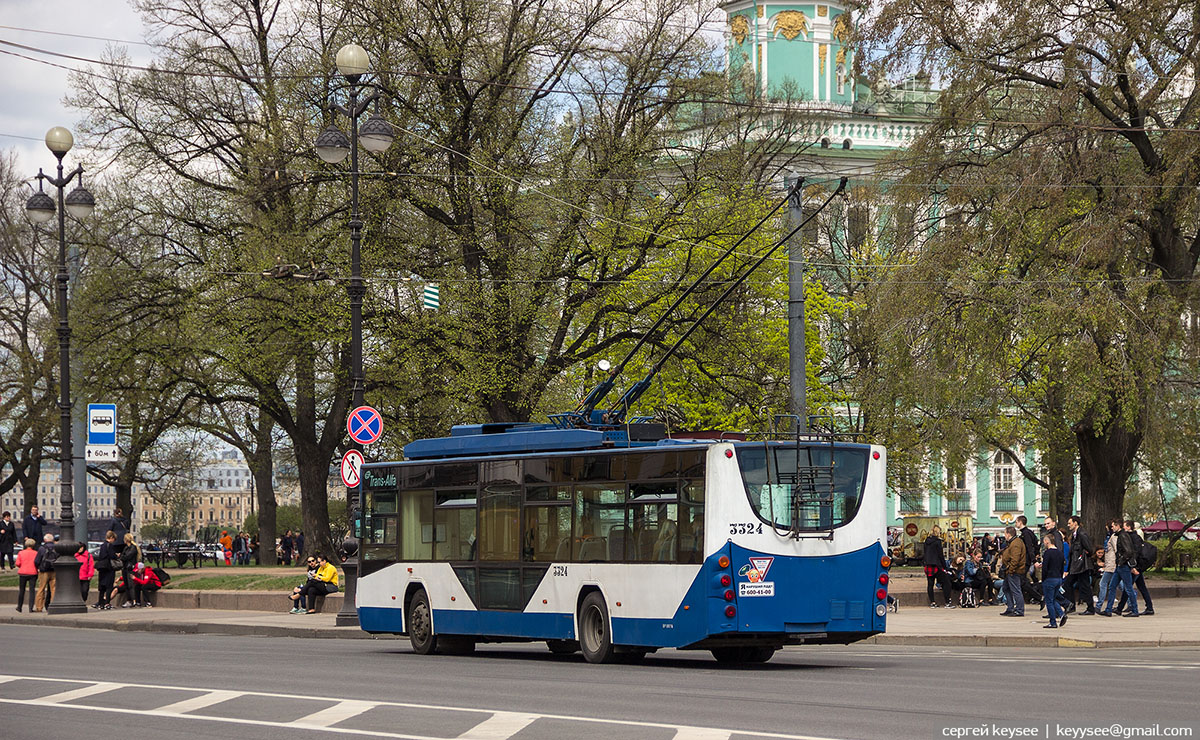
[{"x": 1175, "y": 624}]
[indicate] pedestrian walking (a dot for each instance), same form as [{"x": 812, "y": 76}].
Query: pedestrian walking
[
  {"x": 1078, "y": 583},
  {"x": 46, "y": 555},
  {"x": 87, "y": 569},
  {"x": 1126, "y": 567},
  {"x": 299, "y": 544},
  {"x": 27, "y": 573},
  {"x": 1145, "y": 561},
  {"x": 1052, "y": 569},
  {"x": 33, "y": 527},
  {"x": 8, "y": 538},
  {"x": 107, "y": 565},
  {"x": 935, "y": 568},
  {"x": 1013, "y": 564},
  {"x": 1030, "y": 541}
]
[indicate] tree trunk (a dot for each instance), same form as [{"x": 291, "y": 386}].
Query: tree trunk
[
  {"x": 1105, "y": 465},
  {"x": 1064, "y": 492},
  {"x": 314, "y": 500}
]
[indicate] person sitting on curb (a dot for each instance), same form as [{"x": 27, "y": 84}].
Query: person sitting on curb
[
  {"x": 145, "y": 582},
  {"x": 297, "y": 597},
  {"x": 325, "y": 582}
]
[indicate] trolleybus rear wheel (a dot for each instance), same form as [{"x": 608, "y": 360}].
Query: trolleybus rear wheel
[
  {"x": 420, "y": 625},
  {"x": 594, "y": 638}
]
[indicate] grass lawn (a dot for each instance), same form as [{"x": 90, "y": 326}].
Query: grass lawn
[{"x": 201, "y": 581}]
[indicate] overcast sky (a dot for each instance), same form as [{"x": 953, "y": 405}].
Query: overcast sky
[{"x": 31, "y": 92}]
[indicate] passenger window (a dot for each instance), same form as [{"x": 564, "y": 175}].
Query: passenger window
[
  {"x": 454, "y": 531},
  {"x": 499, "y": 525},
  {"x": 417, "y": 529},
  {"x": 653, "y": 534},
  {"x": 691, "y": 522},
  {"x": 599, "y": 522},
  {"x": 547, "y": 534}
]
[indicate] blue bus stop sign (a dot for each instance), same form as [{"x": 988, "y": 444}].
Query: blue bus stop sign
[{"x": 102, "y": 424}]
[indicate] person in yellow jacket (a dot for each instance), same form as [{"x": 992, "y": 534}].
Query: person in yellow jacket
[{"x": 324, "y": 582}]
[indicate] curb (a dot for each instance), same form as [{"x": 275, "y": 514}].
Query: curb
[
  {"x": 196, "y": 628},
  {"x": 1040, "y": 641}
]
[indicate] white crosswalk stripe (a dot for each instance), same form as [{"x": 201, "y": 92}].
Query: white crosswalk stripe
[{"x": 499, "y": 725}]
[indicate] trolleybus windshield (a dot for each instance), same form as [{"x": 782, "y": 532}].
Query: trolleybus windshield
[{"x": 819, "y": 494}]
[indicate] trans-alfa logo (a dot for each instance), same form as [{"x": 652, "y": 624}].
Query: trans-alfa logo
[{"x": 756, "y": 583}]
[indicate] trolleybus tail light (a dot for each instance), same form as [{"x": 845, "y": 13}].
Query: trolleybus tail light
[
  {"x": 728, "y": 453},
  {"x": 883, "y": 579},
  {"x": 723, "y": 561},
  {"x": 875, "y": 455},
  {"x": 726, "y": 580},
  {"x": 885, "y": 561},
  {"x": 730, "y": 611},
  {"x": 881, "y": 593},
  {"x": 729, "y": 594}
]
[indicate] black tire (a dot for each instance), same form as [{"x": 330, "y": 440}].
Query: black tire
[
  {"x": 563, "y": 647},
  {"x": 743, "y": 654},
  {"x": 595, "y": 640},
  {"x": 419, "y": 623}
]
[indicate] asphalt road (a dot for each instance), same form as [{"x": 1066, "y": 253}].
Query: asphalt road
[{"x": 161, "y": 686}]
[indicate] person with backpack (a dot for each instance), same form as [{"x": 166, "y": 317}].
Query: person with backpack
[
  {"x": 119, "y": 524},
  {"x": 1146, "y": 555},
  {"x": 44, "y": 561},
  {"x": 145, "y": 582},
  {"x": 1032, "y": 551}
]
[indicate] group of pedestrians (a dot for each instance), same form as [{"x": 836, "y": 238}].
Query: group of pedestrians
[
  {"x": 291, "y": 546},
  {"x": 1072, "y": 571}
]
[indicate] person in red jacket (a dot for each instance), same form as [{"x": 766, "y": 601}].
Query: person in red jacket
[
  {"x": 87, "y": 569},
  {"x": 27, "y": 571},
  {"x": 145, "y": 582}
]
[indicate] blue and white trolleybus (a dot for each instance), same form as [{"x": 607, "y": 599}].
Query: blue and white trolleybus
[{"x": 623, "y": 541}]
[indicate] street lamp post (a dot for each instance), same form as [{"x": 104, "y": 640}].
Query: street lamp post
[
  {"x": 332, "y": 146},
  {"x": 80, "y": 203}
]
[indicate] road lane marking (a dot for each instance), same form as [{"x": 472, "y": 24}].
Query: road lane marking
[
  {"x": 500, "y": 726},
  {"x": 197, "y": 702},
  {"x": 65, "y": 696},
  {"x": 343, "y": 710},
  {"x": 216, "y": 696},
  {"x": 701, "y": 733}
]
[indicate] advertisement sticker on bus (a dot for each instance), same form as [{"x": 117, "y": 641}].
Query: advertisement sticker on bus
[{"x": 755, "y": 573}]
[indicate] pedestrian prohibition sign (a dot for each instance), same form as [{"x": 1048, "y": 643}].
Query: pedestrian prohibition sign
[
  {"x": 352, "y": 463},
  {"x": 365, "y": 425}
]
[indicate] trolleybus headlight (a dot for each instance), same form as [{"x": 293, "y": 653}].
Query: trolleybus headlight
[
  {"x": 880, "y": 610},
  {"x": 723, "y": 561},
  {"x": 883, "y": 579},
  {"x": 885, "y": 561},
  {"x": 881, "y": 593},
  {"x": 725, "y": 579},
  {"x": 730, "y": 611},
  {"x": 729, "y": 594}
]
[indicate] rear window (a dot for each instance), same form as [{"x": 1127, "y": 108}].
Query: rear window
[{"x": 822, "y": 492}]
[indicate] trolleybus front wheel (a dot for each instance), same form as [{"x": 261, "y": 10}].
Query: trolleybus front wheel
[
  {"x": 743, "y": 654},
  {"x": 594, "y": 638},
  {"x": 420, "y": 625}
]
